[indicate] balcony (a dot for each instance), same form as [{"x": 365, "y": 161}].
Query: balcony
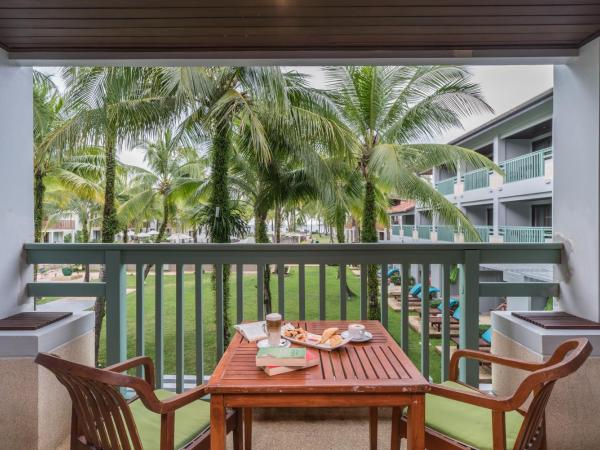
[
  {"x": 179, "y": 321},
  {"x": 476, "y": 179},
  {"x": 526, "y": 234},
  {"x": 531, "y": 165},
  {"x": 510, "y": 234},
  {"x": 446, "y": 187}
]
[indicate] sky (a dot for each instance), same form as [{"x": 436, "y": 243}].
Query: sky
[{"x": 503, "y": 87}]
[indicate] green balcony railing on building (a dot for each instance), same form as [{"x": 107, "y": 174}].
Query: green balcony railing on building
[
  {"x": 484, "y": 232},
  {"x": 526, "y": 166},
  {"x": 407, "y": 230},
  {"x": 194, "y": 307},
  {"x": 424, "y": 231},
  {"x": 396, "y": 230},
  {"x": 524, "y": 235},
  {"x": 446, "y": 186},
  {"x": 445, "y": 233},
  {"x": 476, "y": 179}
]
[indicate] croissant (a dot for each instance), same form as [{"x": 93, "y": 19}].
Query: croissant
[{"x": 327, "y": 334}]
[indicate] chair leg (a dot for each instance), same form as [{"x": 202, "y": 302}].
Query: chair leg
[
  {"x": 373, "y": 416},
  {"x": 238, "y": 431},
  {"x": 247, "y": 428}
]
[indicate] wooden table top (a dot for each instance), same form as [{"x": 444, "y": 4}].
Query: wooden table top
[{"x": 377, "y": 366}]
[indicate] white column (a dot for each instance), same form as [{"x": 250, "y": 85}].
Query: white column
[
  {"x": 576, "y": 203},
  {"x": 16, "y": 182}
]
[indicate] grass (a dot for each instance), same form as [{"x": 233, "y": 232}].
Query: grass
[{"x": 290, "y": 313}]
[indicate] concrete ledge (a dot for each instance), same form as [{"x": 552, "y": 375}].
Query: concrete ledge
[
  {"x": 537, "y": 339},
  {"x": 29, "y": 343}
]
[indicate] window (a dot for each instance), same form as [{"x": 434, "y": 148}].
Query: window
[
  {"x": 541, "y": 215},
  {"x": 541, "y": 144},
  {"x": 408, "y": 219},
  {"x": 489, "y": 217}
]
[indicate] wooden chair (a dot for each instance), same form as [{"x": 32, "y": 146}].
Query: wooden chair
[
  {"x": 461, "y": 417},
  {"x": 102, "y": 419}
]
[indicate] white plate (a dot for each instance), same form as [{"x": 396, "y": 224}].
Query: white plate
[
  {"x": 264, "y": 343},
  {"x": 366, "y": 337},
  {"x": 313, "y": 341}
]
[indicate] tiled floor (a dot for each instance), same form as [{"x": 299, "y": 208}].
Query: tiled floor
[{"x": 316, "y": 430}]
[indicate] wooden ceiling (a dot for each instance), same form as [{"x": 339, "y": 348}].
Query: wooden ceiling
[{"x": 293, "y": 27}]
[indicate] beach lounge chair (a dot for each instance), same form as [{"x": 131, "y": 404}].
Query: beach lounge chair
[{"x": 436, "y": 321}]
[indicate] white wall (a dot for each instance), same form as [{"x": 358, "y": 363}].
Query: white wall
[
  {"x": 577, "y": 180},
  {"x": 16, "y": 183}
]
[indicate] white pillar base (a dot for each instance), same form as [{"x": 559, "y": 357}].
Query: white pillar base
[
  {"x": 571, "y": 422},
  {"x": 35, "y": 407}
]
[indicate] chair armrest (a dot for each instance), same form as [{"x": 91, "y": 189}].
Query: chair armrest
[
  {"x": 136, "y": 362},
  {"x": 180, "y": 400},
  {"x": 473, "y": 397},
  {"x": 488, "y": 357}
]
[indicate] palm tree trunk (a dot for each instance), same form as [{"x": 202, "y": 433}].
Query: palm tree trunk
[
  {"x": 278, "y": 224},
  {"x": 161, "y": 233},
  {"x": 85, "y": 236},
  {"x": 125, "y": 235},
  {"x": 38, "y": 217},
  {"x": 219, "y": 201},
  {"x": 369, "y": 234},
  {"x": 260, "y": 221},
  {"x": 340, "y": 221},
  {"x": 109, "y": 229}
]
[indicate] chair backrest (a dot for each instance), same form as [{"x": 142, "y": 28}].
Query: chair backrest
[
  {"x": 102, "y": 418},
  {"x": 565, "y": 360}
]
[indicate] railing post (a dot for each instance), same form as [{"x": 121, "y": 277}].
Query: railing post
[
  {"x": 469, "y": 320},
  {"x": 116, "y": 319}
]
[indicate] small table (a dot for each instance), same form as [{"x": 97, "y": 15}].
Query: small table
[{"x": 374, "y": 374}]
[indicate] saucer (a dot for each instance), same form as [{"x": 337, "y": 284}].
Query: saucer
[
  {"x": 366, "y": 337},
  {"x": 264, "y": 343}
]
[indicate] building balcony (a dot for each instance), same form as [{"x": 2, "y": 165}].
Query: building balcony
[
  {"x": 447, "y": 233},
  {"x": 530, "y": 166}
]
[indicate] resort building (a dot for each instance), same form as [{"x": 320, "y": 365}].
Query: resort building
[{"x": 515, "y": 207}]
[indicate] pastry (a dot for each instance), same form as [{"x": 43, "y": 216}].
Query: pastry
[
  {"x": 328, "y": 333},
  {"x": 335, "y": 340}
]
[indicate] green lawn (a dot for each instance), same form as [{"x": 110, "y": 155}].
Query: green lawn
[{"x": 291, "y": 313}]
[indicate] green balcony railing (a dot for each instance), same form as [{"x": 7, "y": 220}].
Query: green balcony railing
[
  {"x": 424, "y": 231},
  {"x": 407, "y": 230},
  {"x": 446, "y": 186},
  {"x": 484, "y": 232},
  {"x": 476, "y": 179},
  {"x": 526, "y": 166},
  {"x": 445, "y": 233},
  {"x": 525, "y": 235},
  {"x": 396, "y": 229},
  {"x": 196, "y": 314}
]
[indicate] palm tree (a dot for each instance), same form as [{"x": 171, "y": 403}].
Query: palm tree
[
  {"x": 111, "y": 107},
  {"x": 389, "y": 108},
  {"x": 236, "y": 105},
  {"x": 172, "y": 171}
]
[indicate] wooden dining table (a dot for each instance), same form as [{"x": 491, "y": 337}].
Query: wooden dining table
[{"x": 373, "y": 374}]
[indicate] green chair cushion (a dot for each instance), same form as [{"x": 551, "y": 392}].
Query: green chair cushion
[
  {"x": 190, "y": 420},
  {"x": 465, "y": 423}
]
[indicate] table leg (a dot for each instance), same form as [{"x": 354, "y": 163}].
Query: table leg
[
  {"x": 217, "y": 423},
  {"x": 416, "y": 423},
  {"x": 247, "y": 428},
  {"x": 238, "y": 432},
  {"x": 373, "y": 413},
  {"x": 396, "y": 417}
]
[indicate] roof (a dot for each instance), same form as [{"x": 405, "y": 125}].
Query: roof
[
  {"x": 403, "y": 206},
  {"x": 534, "y": 101},
  {"x": 294, "y": 29}
]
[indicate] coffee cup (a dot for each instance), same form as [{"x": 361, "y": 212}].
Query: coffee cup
[
  {"x": 356, "y": 331},
  {"x": 273, "y": 325}
]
